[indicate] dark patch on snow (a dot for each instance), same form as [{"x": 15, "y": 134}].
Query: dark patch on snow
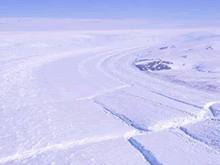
[
  {"x": 211, "y": 87},
  {"x": 167, "y": 47},
  {"x": 202, "y": 68},
  {"x": 209, "y": 48},
  {"x": 154, "y": 65},
  {"x": 148, "y": 155},
  {"x": 145, "y": 60}
]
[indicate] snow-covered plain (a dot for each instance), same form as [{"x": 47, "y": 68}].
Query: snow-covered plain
[{"x": 79, "y": 97}]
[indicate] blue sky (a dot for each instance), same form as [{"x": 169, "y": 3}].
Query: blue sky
[{"x": 113, "y": 9}]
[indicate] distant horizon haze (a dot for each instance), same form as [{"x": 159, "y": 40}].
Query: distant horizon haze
[{"x": 159, "y": 10}]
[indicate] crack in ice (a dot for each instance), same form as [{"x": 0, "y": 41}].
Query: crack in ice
[
  {"x": 179, "y": 122},
  {"x": 66, "y": 145}
]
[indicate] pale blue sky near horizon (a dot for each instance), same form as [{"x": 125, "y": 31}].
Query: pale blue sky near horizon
[{"x": 185, "y": 10}]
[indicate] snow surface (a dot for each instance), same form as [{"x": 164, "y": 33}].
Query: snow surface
[{"x": 77, "y": 97}]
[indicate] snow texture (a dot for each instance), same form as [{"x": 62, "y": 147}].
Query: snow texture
[{"x": 81, "y": 97}]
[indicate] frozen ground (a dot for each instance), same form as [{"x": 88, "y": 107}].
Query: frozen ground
[{"x": 79, "y": 97}]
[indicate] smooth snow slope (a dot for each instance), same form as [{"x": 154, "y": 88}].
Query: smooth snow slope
[{"x": 77, "y": 97}]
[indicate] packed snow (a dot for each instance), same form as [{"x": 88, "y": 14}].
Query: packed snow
[{"x": 109, "y": 96}]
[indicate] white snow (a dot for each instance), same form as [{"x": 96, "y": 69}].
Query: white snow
[{"x": 76, "y": 97}]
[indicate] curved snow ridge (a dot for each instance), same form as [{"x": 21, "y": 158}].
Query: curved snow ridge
[
  {"x": 200, "y": 140},
  {"x": 102, "y": 92},
  {"x": 83, "y": 64},
  {"x": 21, "y": 72},
  {"x": 112, "y": 65},
  {"x": 208, "y": 105},
  {"x": 133, "y": 133},
  {"x": 179, "y": 122},
  {"x": 102, "y": 61},
  {"x": 214, "y": 111},
  {"x": 66, "y": 145}
]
